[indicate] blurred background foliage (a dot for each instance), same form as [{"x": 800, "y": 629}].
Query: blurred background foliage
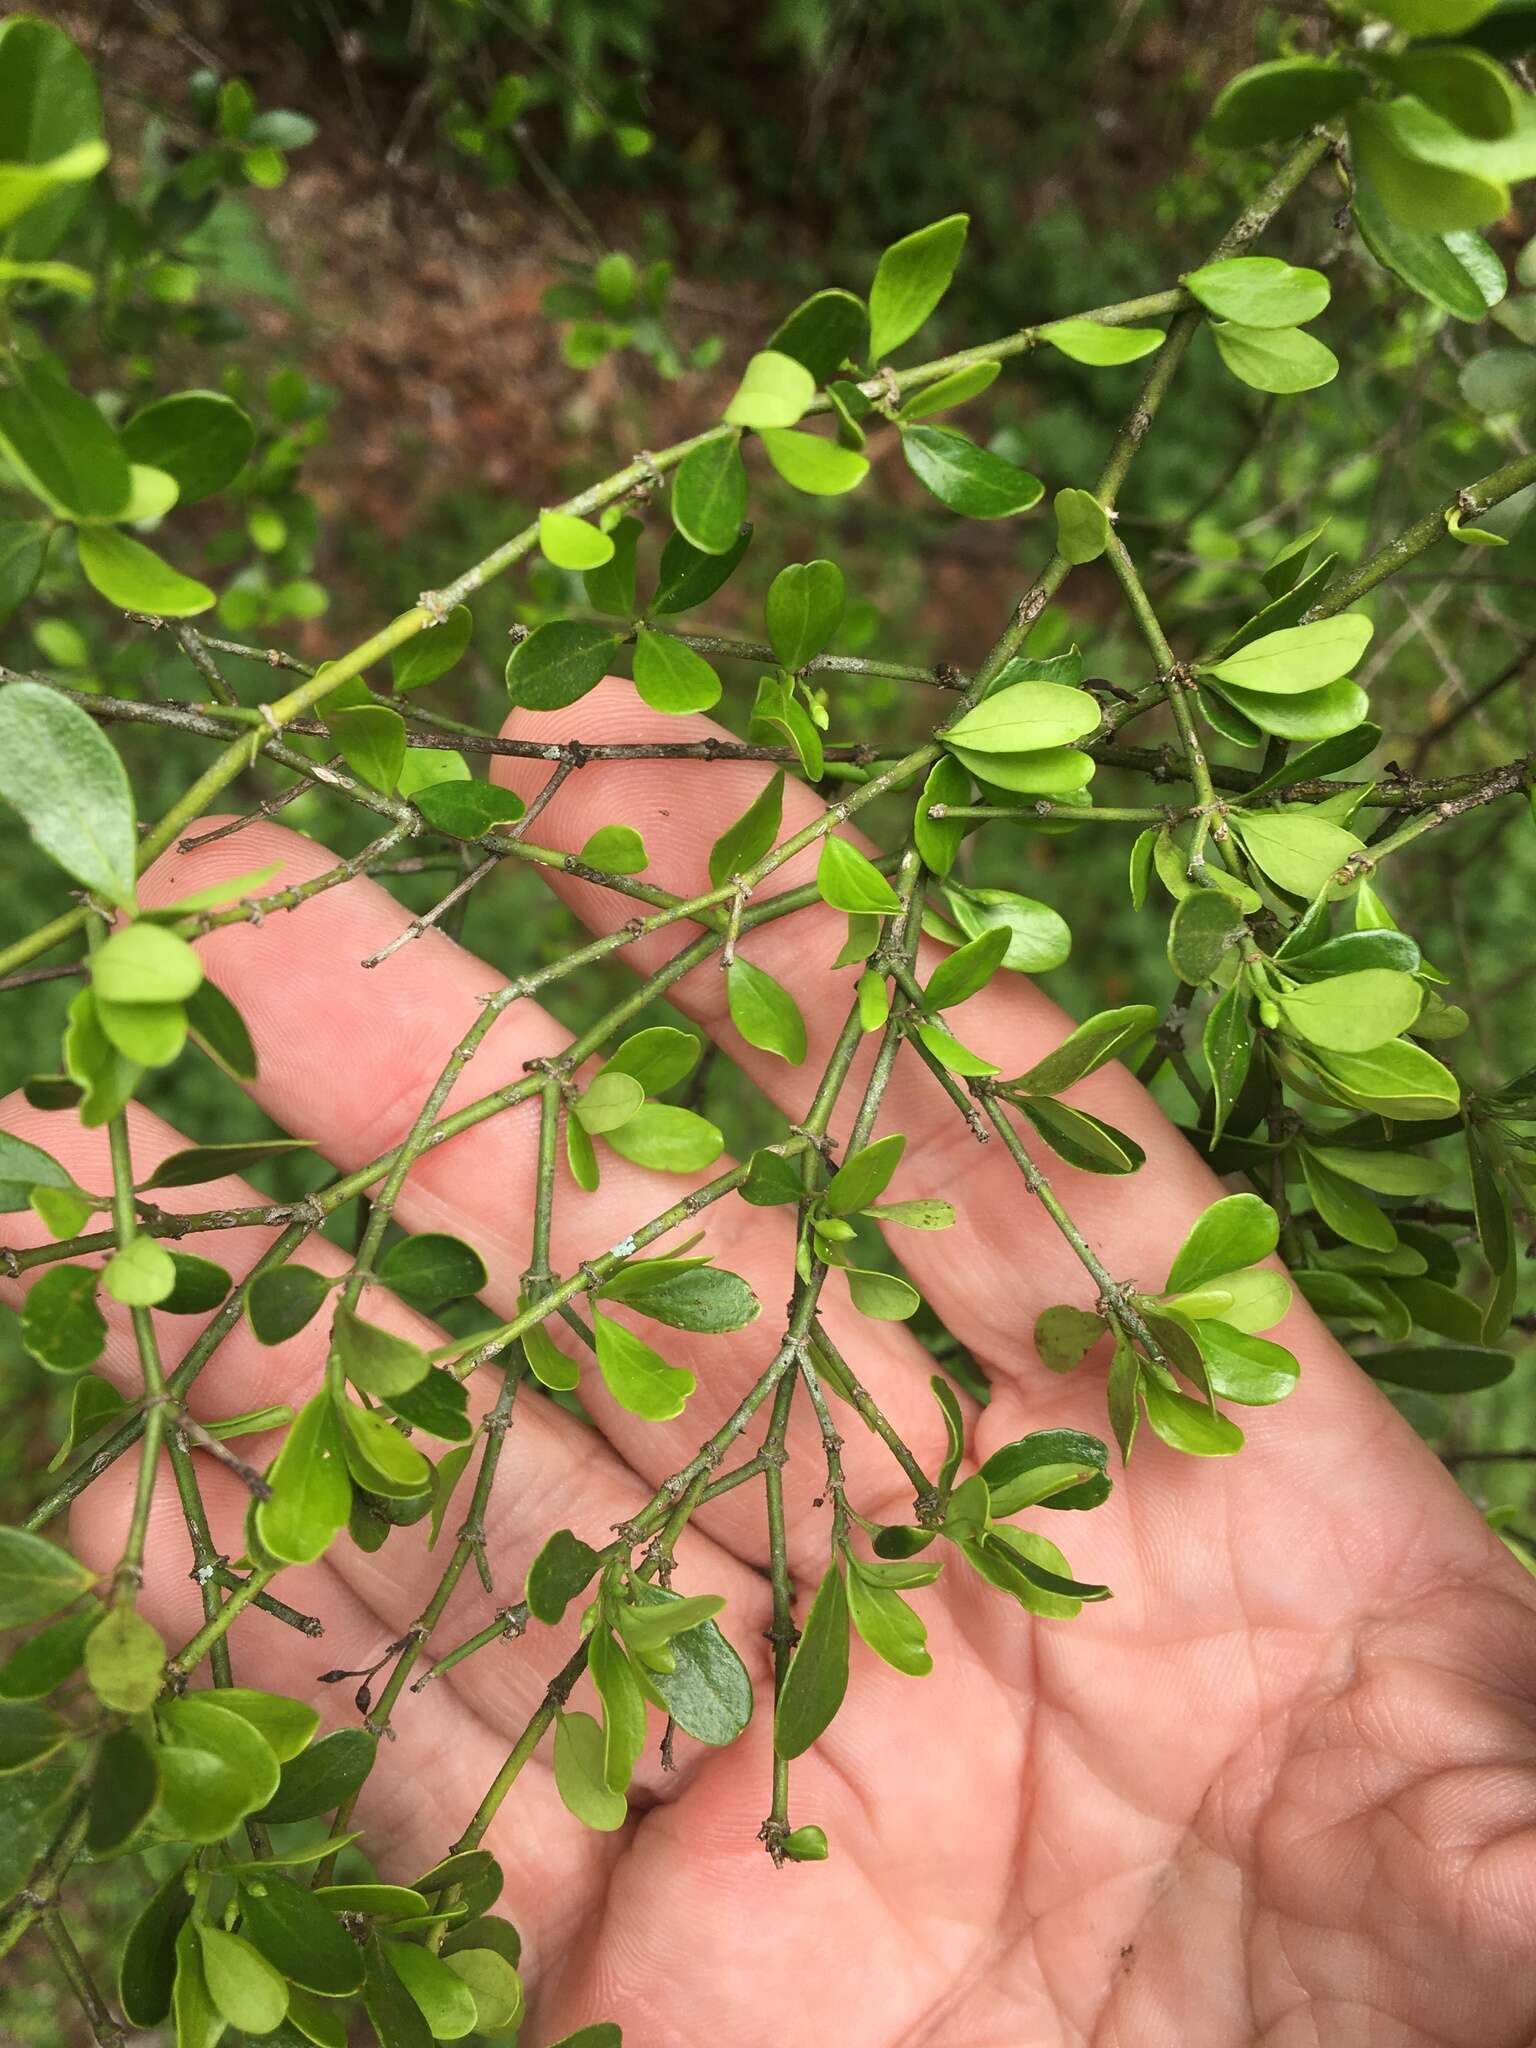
[{"x": 458, "y": 257}]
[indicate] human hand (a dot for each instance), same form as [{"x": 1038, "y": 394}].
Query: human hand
[{"x": 1280, "y": 1789}]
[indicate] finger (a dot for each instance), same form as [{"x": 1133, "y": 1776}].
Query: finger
[
  {"x": 348, "y": 1054},
  {"x": 552, "y": 1863},
  {"x": 552, "y": 1469}
]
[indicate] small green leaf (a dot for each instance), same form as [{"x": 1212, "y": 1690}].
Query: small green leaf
[
  {"x": 893, "y": 1630},
  {"x": 1273, "y": 101},
  {"x": 849, "y": 880},
  {"x": 1205, "y": 926},
  {"x": 1439, "y": 1368},
  {"x": 1091, "y": 1046},
  {"x": 742, "y": 845},
  {"x": 214, "y": 1770},
  {"x": 1101, "y": 347},
  {"x": 1187, "y": 1425},
  {"x": 687, "y": 576},
  {"x": 670, "y": 1139},
  {"x": 68, "y": 782},
  {"x": 559, "y": 663},
  {"x": 217, "y": 1026},
  {"x": 444, "y": 2000},
  {"x": 956, "y": 389},
  {"x": 1297, "y": 659},
  {"x": 282, "y": 1300},
  {"x": 817, "y": 1678},
  {"x": 145, "y": 963},
  {"x": 380, "y": 1459},
  {"x": 1283, "y": 360},
  {"x": 939, "y": 839},
  {"x": 1353, "y": 1012},
  {"x": 61, "y": 445},
  {"x": 911, "y": 278},
  {"x": 615, "y": 850},
  {"x": 375, "y": 1359},
  {"x": 819, "y": 467},
  {"x": 242, "y": 1983},
  {"x": 1237, "y": 1231},
  {"x": 774, "y": 391},
  {"x": 132, "y": 576},
  {"x": 573, "y": 543},
  {"x": 467, "y": 810},
  {"x": 1038, "y": 937},
  {"x": 1227, "y": 1043},
  {"x": 969, "y": 479},
  {"x": 1259, "y": 291},
  {"x": 823, "y": 333},
  {"x": 1392, "y": 143},
  {"x": 298, "y": 1936},
  {"x": 439, "y": 1404},
  {"x": 1297, "y": 849},
  {"x": 1064, "y": 1336},
  {"x": 1025, "y": 718},
  {"x": 611, "y": 1100},
  {"x": 671, "y": 677},
  {"x": 141, "y": 1274},
  {"x": 322, "y": 1777},
  {"x": 805, "y": 608},
  {"x": 882, "y": 1296},
  {"x": 864, "y": 1176},
  {"x": 311, "y": 1492},
  {"x": 372, "y": 741},
  {"x": 967, "y": 970},
  {"x": 124, "y": 1661},
  {"x": 61, "y": 1326},
  {"x": 123, "y": 1792},
  {"x": 1395, "y": 1080},
  {"x": 764, "y": 1011},
  {"x": 638, "y": 1378},
  {"x": 201, "y": 438},
  {"x": 709, "y": 502},
  {"x": 579, "y": 1774},
  {"x": 1084, "y": 1141},
  {"x": 563, "y": 1569},
  {"x": 148, "y": 1967},
  {"x": 1082, "y": 526}
]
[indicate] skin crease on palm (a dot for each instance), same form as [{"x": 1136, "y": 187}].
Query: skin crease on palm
[{"x": 1280, "y": 1790}]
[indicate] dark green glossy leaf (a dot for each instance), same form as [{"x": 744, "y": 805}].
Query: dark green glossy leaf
[
  {"x": 825, "y": 331},
  {"x": 296, "y": 1934},
  {"x": 559, "y": 663},
  {"x": 562, "y": 1570},
  {"x": 689, "y": 576},
  {"x": 969, "y": 479},
  {"x": 217, "y": 1026},
  {"x": 1439, "y": 1368},
  {"x": 123, "y": 1792},
  {"x": 432, "y": 1268},
  {"x": 199, "y": 1163},
  {"x": 201, "y": 438},
  {"x": 322, "y": 1777},
  {"x": 148, "y": 1968}
]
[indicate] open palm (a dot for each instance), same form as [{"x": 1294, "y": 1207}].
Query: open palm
[{"x": 1281, "y": 1789}]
